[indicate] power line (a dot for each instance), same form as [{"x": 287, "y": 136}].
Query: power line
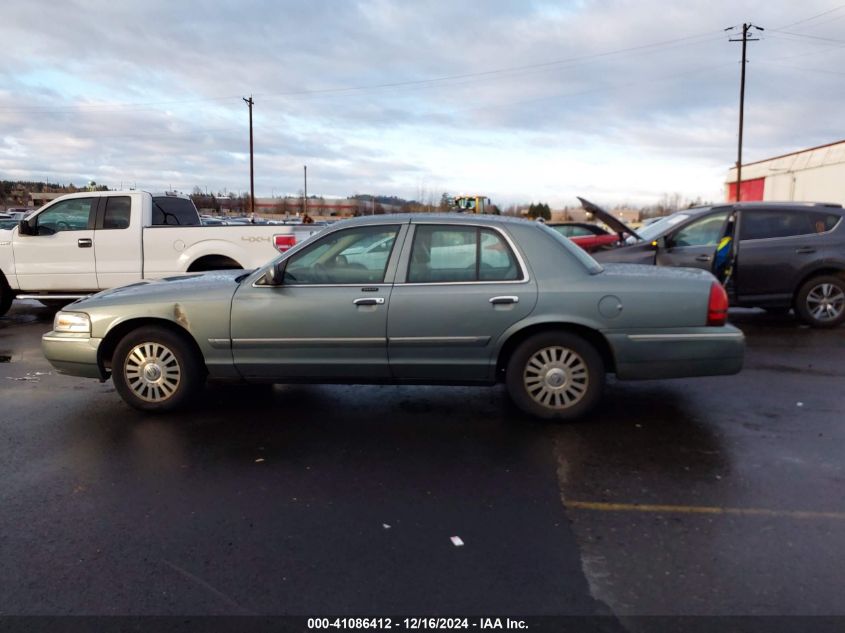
[
  {"x": 125, "y": 107},
  {"x": 812, "y": 17},
  {"x": 813, "y": 37}
]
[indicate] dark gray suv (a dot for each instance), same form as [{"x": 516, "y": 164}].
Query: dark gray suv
[{"x": 772, "y": 255}]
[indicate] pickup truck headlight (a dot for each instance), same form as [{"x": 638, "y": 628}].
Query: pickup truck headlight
[{"x": 72, "y": 322}]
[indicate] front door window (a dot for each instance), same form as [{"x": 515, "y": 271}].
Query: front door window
[
  {"x": 67, "y": 215},
  {"x": 353, "y": 256}
]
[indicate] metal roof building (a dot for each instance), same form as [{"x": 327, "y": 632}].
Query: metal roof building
[{"x": 816, "y": 174}]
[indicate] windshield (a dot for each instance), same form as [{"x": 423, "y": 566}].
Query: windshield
[{"x": 656, "y": 229}]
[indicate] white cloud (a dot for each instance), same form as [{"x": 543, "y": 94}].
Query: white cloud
[{"x": 547, "y": 100}]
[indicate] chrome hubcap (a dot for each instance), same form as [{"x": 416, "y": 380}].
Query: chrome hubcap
[
  {"x": 152, "y": 372},
  {"x": 826, "y": 302},
  {"x": 556, "y": 377}
]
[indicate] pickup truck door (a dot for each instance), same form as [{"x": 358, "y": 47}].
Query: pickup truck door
[
  {"x": 117, "y": 241},
  {"x": 60, "y": 256},
  {"x": 328, "y": 319}
]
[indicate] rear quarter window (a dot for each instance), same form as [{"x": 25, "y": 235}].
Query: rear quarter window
[
  {"x": 589, "y": 263},
  {"x": 824, "y": 222},
  {"x": 173, "y": 211}
]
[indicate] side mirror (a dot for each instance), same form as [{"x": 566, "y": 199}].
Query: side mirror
[
  {"x": 276, "y": 274},
  {"x": 659, "y": 243},
  {"x": 25, "y": 228}
]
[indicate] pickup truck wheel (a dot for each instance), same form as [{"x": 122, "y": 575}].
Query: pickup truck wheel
[
  {"x": 821, "y": 301},
  {"x": 555, "y": 375},
  {"x": 6, "y": 296},
  {"x": 154, "y": 369}
]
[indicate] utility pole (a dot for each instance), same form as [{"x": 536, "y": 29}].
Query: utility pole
[
  {"x": 305, "y": 191},
  {"x": 747, "y": 26},
  {"x": 250, "y": 102}
]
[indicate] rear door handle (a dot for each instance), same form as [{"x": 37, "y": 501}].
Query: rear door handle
[
  {"x": 85, "y": 242},
  {"x": 703, "y": 258},
  {"x": 369, "y": 301},
  {"x": 504, "y": 300},
  {"x": 805, "y": 250}
]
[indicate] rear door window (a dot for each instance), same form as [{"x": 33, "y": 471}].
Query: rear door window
[
  {"x": 460, "y": 254},
  {"x": 761, "y": 224}
]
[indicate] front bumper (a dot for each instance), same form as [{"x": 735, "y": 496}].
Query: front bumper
[
  {"x": 73, "y": 354},
  {"x": 678, "y": 353}
]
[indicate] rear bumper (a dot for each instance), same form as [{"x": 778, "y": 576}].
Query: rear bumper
[
  {"x": 72, "y": 354},
  {"x": 679, "y": 353}
]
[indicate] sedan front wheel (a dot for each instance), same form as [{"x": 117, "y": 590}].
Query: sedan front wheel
[
  {"x": 154, "y": 369},
  {"x": 555, "y": 375}
]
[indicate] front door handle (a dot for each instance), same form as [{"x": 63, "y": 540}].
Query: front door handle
[
  {"x": 805, "y": 250},
  {"x": 503, "y": 300},
  {"x": 369, "y": 301},
  {"x": 703, "y": 258},
  {"x": 85, "y": 242}
]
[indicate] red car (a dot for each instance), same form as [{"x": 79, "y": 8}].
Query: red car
[{"x": 588, "y": 236}]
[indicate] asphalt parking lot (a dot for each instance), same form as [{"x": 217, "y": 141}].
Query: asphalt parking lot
[{"x": 710, "y": 496}]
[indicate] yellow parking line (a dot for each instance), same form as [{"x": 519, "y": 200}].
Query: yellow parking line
[{"x": 681, "y": 509}]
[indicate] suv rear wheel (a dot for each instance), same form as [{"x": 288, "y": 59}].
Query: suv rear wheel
[{"x": 820, "y": 302}]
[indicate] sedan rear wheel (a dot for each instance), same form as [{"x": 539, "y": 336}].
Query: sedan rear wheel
[
  {"x": 555, "y": 375},
  {"x": 821, "y": 301},
  {"x": 154, "y": 369}
]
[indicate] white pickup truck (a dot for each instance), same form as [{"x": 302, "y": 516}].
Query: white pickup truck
[{"x": 82, "y": 243}]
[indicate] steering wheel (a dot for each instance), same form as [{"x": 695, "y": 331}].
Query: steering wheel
[
  {"x": 61, "y": 225},
  {"x": 321, "y": 273},
  {"x": 340, "y": 260}
]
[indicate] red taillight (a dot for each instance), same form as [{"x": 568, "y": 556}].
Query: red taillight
[
  {"x": 717, "y": 306},
  {"x": 284, "y": 242}
]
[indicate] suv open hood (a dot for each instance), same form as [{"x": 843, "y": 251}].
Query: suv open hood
[{"x": 617, "y": 225}]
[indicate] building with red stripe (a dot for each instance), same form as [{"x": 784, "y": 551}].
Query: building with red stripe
[{"x": 816, "y": 174}]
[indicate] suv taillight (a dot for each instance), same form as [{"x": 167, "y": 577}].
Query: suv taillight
[
  {"x": 284, "y": 242},
  {"x": 717, "y": 306}
]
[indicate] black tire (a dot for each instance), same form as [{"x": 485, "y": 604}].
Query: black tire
[
  {"x": 820, "y": 302},
  {"x": 55, "y": 304},
  {"x": 547, "y": 369},
  {"x": 155, "y": 369},
  {"x": 6, "y": 296}
]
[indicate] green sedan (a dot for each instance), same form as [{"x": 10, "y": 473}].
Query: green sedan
[{"x": 407, "y": 299}]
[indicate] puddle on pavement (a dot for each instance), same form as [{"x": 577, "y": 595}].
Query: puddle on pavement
[{"x": 4, "y": 358}]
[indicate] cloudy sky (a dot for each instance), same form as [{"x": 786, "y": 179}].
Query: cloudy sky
[{"x": 620, "y": 101}]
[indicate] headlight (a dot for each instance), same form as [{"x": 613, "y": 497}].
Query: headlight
[{"x": 72, "y": 322}]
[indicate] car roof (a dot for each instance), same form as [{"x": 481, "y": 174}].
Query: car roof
[
  {"x": 762, "y": 205},
  {"x": 447, "y": 218},
  {"x": 798, "y": 206}
]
